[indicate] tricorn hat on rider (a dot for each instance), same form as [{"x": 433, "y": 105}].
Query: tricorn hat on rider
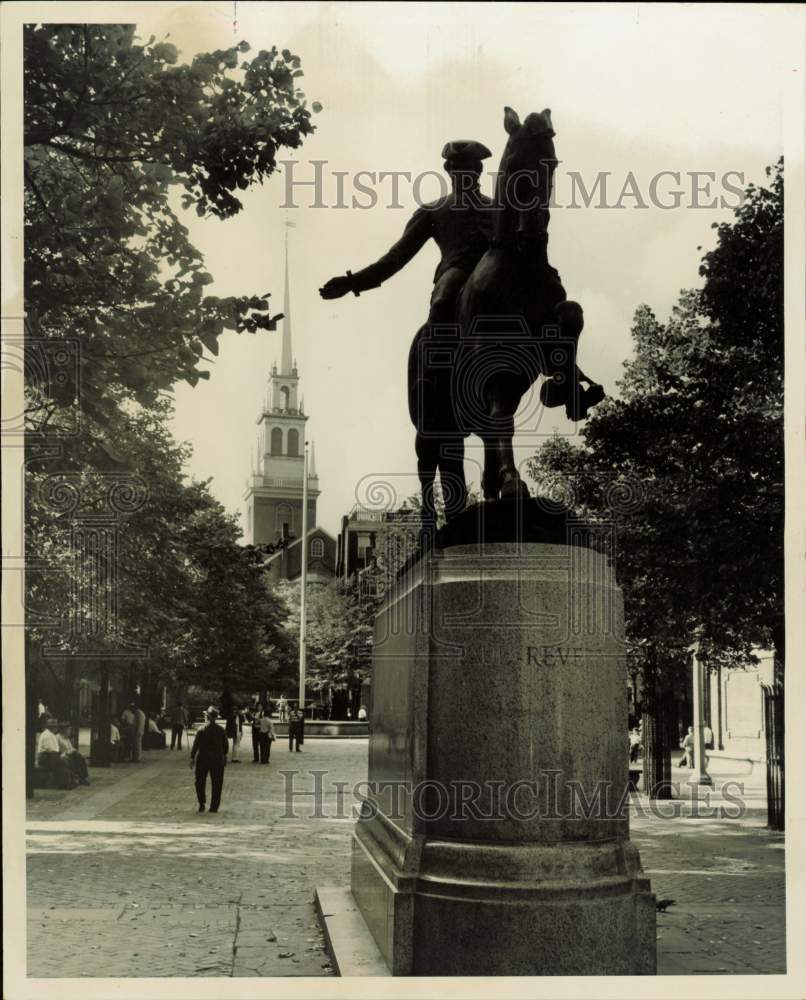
[{"x": 464, "y": 153}]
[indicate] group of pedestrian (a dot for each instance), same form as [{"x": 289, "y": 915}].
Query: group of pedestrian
[
  {"x": 263, "y": 734},
  {"x": 56, "y": 754}
]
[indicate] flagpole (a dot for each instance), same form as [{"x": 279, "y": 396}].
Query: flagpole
[{"x": 303, "y": 583}]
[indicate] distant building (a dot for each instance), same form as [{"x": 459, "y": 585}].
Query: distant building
[
  {"x": 369, "y": 537},
  {"x": 286, "y": 563},
  {"x": 734, "y": 709}
]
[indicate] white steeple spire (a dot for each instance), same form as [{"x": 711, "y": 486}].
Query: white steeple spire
[{"x": 286, "y": 358}]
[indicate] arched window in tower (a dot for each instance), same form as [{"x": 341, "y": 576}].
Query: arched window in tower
[
  {"x": 317, "y": 549},
  {"x": 293, "y": 442},
  {"x": 276, "y": 441},
  {"x": 285, "y": 395}
]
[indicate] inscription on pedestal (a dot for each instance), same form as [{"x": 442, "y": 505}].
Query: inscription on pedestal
[
  {"x": 538, "y": 656},
  {"x": 551, "y": 656}
]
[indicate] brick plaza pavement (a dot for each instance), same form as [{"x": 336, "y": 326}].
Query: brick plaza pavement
[
  {"x": 126, "y": 879},
  {"x": 726, "y": 877}
]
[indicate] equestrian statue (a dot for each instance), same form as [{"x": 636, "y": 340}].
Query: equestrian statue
[{"x": 499, "y": 316}]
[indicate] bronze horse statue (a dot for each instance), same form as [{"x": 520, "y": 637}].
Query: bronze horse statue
[
  {"x": 514, "y": 322},
  {"x": 505, "y": 321}
]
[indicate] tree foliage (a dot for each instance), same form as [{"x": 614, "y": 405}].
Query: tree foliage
[
  {"x": 162, "y": 579},
  {"x": 687, "y": 463},
  {"x": 339, "y": 627},
  {"x": 120, "y": 139},
  {"x": 111, "y": 126}
]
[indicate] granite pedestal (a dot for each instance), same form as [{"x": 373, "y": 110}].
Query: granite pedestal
[{"x": 495, "y": 839}]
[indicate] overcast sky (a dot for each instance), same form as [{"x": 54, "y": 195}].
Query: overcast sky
[{"x": 632, "y": 88}]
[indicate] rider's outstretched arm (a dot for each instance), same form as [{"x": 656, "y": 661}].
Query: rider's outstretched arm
[{"x": 417, "y": 232}]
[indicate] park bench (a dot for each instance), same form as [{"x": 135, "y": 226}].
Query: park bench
[
  {"x": 154, "y": 741},
  {"x": 46, "y": 778}
]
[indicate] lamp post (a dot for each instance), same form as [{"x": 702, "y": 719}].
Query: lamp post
[
  {"x": 699, "y": 775},
  {"x": 303, "y": 582}
]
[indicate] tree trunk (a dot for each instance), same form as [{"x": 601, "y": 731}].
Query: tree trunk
[
  {"x": 69, "y": 710},
  {"x": 100, "y": 744},
  {"x": 31, "y": 716},
  {"x": 657, "y": 751}
]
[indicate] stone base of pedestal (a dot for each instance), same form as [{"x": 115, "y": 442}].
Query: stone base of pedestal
[
  {"x": 495, "y": 837},
  {"x": 476, "y": 909},
  {"x": 350, "y": 944}
]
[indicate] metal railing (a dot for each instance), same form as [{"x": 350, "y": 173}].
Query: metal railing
[{"x": 773, "y": 695}]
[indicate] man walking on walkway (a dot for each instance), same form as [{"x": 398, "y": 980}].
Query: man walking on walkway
[
  {"x": 179, "y": 719},
  {"x": 234, "y": 730},
  {"x": 127, "y": 725},
  {"x": 687, "y": 746},
  {"x": 255, "y": 714},
  {"x": 296, "y": 729},
  {"x": 266, "y": 737},
  {"x": 209, "y": 756}
]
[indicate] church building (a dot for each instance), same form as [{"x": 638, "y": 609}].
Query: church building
[{"x": 274, "y": 491}]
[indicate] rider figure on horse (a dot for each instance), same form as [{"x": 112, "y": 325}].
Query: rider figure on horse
[
  {"x": 460, "y": 223},
  {"x": 494, "y": 264}
]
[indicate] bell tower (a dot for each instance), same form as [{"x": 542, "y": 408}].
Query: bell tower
[{"x": 274, "y": 490}]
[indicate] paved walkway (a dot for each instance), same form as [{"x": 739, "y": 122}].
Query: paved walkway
[
  {"x": 726, "y": 877},
  {"x": 126, "y": 879}
]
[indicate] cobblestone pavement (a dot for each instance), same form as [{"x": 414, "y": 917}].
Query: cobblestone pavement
[
  {"x": 126, "y": 879},
  {"x": 726, "y": 877}
]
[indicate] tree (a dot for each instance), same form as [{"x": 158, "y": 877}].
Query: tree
[
  {"x": 114, "y": 131},
  {"x": 339, "y": 629},
  {"x": 184, "y": 591},
  {"x": 111, "y": 126},
  {"x": 686, "y": 465},
  {"x": 238, "y": 640}
]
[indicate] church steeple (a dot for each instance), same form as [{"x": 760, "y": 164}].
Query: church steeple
[
  {"x": 287, "y": 365},
  {"x": 275, "y": 489}
]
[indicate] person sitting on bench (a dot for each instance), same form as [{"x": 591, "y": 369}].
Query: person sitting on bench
[
  {"x": 49, "y": 756},
  {"x": 74, "y": 760}
]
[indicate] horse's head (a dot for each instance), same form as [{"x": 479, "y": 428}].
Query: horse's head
[{"x": 526, "y": 171}]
